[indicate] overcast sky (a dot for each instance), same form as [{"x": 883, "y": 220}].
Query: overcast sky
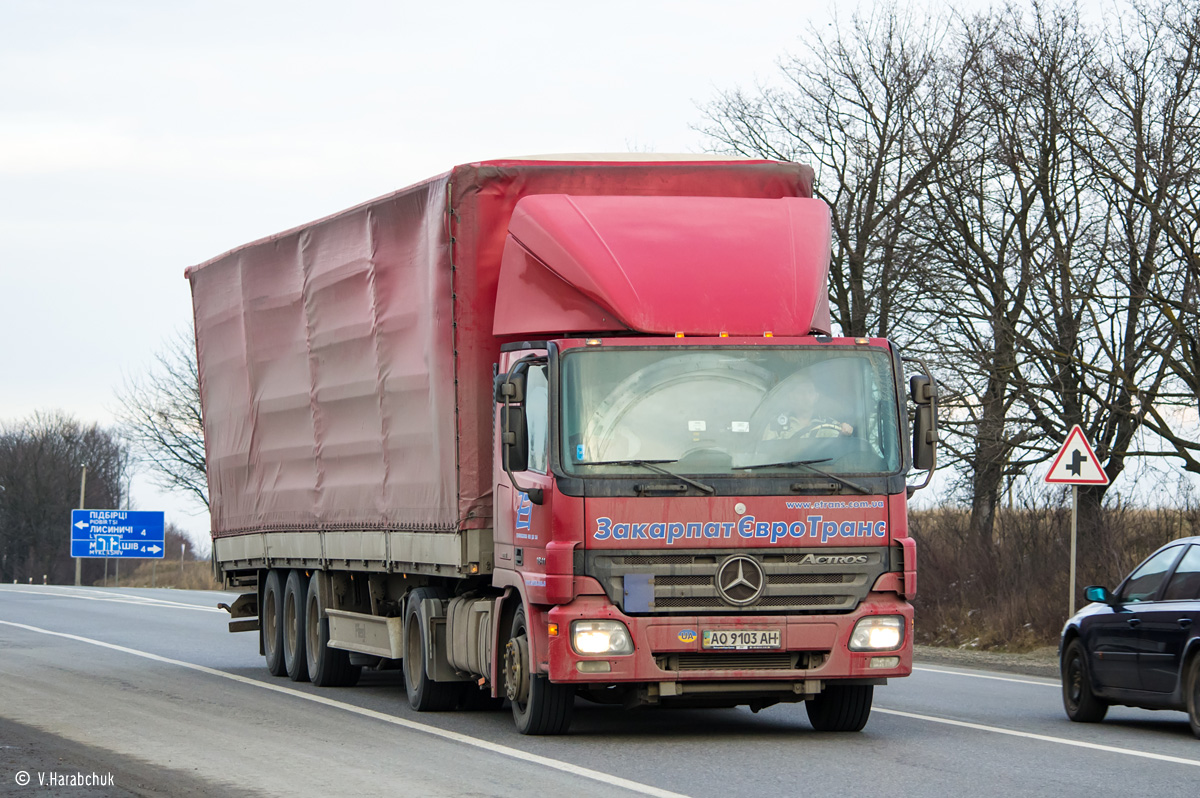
[{"x": 137, "y": 138}]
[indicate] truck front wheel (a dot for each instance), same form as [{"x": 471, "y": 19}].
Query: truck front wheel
[
  {"x": 539, "y": 706},
  {"x": 272, "y": 623},
  {"x": 841, "y": 708}
]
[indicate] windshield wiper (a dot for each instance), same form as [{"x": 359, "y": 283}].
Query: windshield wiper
[
  {"x": 809, "y": 464},
  {"x": 653, "y": 465}
]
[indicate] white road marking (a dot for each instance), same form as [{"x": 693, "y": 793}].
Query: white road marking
[
  {"x": 502, "y": 750},
  {"x": 118, "y": 598},
  {"x": 1045, "y": 683},
  {"x": 1111, "y": 749}
]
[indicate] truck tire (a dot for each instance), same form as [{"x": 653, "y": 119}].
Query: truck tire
[
  {"x": 538, "y": 705},
  {"x": 327, "y": 667},
  {"x": 272, "y": 623},
  {"x": 1081, "y": 704},
  {"x": 424, "y": 694},
  {"x": 841, "y": 708},
  {"x": 294, "y": 592}
]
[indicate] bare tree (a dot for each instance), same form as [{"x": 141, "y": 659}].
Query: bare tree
[
  {"x": 875, "y": 110},
  {"x": 40, "y": 465},
  {"x": 1143, "y": 137},
  {"x": 160, "y": 414},
  {"x": 987, "y": 239}
]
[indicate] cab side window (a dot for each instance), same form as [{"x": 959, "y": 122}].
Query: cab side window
[
  {"x": 1143, "y": 584},
  {"x": 537, "y": 417},
  {"x": 1185, "y": 582}
]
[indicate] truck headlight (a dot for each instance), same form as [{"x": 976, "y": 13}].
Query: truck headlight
[
  {"x": 877, "y": 633},
  {"x": 599, "y": 638}
]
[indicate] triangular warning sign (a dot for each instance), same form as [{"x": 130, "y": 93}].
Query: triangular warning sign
[{"x": 1076, "y": 463}]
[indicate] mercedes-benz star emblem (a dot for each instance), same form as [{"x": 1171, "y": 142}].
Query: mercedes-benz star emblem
[{"x": 740, "y": 580}]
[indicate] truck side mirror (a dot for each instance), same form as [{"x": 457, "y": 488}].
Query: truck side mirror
[
  {"x": 514, "y": 436},
  {"x": 511, "y": 386},
  {"x": 508, "y": 389},
  {"x": 925, "y": 424},
  {"x": 922, "y": 390}
]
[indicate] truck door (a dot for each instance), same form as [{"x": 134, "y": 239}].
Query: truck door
[{"x": 522, "y": 526}]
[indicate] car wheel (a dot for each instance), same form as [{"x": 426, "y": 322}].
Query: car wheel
[
  {"x": 1193, "y": 694},
  {"x": 1082, "y": 705}
]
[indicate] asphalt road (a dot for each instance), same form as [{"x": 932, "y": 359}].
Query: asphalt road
[{"x": 144, "y": 692}]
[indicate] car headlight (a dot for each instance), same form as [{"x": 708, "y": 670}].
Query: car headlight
[
  {"x": 877, "y": 633},
  {"x": 600, "y": 638}
]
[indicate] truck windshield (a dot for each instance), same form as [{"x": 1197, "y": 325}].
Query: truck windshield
[{"x": 729, "y": 411}]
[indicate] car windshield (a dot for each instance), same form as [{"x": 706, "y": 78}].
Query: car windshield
[{"x": 730, "y": 411}]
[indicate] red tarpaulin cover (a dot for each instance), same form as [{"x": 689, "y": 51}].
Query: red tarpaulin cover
[
  {"x": 664, "y": 265},
  {"x": 345, "y": 366}
]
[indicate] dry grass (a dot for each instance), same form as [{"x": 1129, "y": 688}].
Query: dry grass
[
  {"x": 193, "y": 575},
  {"x": 1011, "y": 592}
]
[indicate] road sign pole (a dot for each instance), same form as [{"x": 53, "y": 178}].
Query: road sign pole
[
  {"x": 1076, "y": 464},
  {"x": 79, "y": 560},
  {"x": 1074, "y": 535}
]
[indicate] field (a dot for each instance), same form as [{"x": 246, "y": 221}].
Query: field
[{"x": 1010, "y": 592}]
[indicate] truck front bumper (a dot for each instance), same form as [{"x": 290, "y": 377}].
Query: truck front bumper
[{"x": 669, "y": 650}]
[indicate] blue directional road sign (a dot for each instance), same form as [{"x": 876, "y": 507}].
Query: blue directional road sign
[{"x": 117, "y": 533}]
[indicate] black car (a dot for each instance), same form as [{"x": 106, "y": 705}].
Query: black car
[{"x": 1139, "y": 645}]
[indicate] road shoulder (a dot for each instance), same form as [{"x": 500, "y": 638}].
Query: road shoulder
[
  {"x": 56, "y": 767},
  {"x": 1041, "y": 662}
]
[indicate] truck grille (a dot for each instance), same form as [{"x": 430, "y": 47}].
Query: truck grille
[
  {"x": 775, "y": 602},
  {"x": 685, "y": 582},
  {"x": 740, "y": 661}
]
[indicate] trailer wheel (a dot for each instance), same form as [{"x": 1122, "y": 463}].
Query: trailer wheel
[
  {"x": 841, "y": 708},
  {"x": 272, "y": 623},
  {"x": 539, "y": 706},
  {"x": 294, "y": 592},
  {"x": 327, "y": 667},
  {"x": 424, "y": 694}
]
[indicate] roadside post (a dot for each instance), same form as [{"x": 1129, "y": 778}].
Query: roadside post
[
  {"x": 1075, "y": 464},
  {"x": 78, "y": 561}
]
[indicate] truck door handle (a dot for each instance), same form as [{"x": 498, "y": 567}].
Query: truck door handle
[
  {"x": 1185, "y": 623},
  {"x": 1135, "y": 622}
]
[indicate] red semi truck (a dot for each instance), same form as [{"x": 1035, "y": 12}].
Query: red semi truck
[{"x": 546, "y": 429}]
